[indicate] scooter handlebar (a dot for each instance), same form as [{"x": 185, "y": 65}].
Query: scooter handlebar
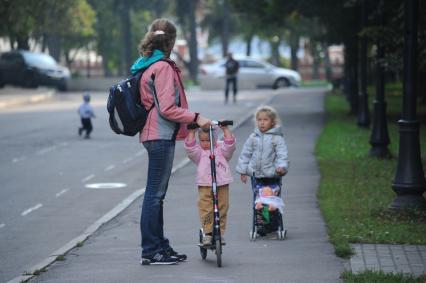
[{"x": 193, "y": 126}]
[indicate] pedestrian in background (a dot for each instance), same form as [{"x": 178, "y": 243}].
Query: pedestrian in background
[
  {"x": 161, "y": 86},
  {"x": 86, "y": 114},
  {"x": 232, "y": 66}
]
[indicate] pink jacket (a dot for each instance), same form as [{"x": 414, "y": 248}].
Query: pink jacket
[
  {"x": 223, "y": 152},
  {"x": 168, "y": 119}
]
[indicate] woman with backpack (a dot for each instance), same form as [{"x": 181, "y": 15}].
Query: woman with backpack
[{"x": 161, "y": 87}]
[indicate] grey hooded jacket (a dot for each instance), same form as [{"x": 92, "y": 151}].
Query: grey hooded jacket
[{"x": 263, "y": 153}]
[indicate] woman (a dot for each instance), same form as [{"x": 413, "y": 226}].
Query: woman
[{"x": 162, "y": 90}]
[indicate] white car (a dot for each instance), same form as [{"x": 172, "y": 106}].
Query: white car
[{"x": 253, "y": 73}]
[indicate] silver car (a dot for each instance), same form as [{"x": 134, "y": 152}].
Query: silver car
[{"x": 253, "y": 73}]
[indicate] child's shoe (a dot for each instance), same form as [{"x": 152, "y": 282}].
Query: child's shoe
[{"x": 207, "y": 240}]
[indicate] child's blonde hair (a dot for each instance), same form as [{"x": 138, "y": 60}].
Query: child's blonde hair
[
  {"x": 271, "y": 112},
  {"x": 207, "y": 132}
]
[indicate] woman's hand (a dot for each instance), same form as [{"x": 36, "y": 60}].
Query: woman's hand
[{"x": 202, "y": 121}]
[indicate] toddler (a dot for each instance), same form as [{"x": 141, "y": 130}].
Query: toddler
[
  {"x": 200, "y": 155},
  {"x": 264, "y": 154},
  {"x": 264, "y": 159},
  {"x": 86, "y": 113}
]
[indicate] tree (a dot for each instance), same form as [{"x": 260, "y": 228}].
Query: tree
[{"x": 185, "y": 10}]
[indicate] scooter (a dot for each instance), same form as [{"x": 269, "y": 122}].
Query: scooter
[{"x": 216, "y": 244}]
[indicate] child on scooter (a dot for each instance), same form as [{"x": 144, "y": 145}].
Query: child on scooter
[{"x": 199, "y": 153}]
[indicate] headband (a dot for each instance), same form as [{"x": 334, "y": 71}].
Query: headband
[{"x": 159, "y": 32}]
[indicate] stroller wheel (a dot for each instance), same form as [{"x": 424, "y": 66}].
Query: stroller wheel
[
  {"x": 282, "y": 234},
  {"x": 253, "y": 235}
]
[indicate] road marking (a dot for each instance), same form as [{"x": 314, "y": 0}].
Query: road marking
[
  {"x": 18, "y": 159},
  {"x": 61, "y": 192},
  {"x": 109, "y": 168},
  {"x": 31, "y": 209},
  {"x": 2, "y": 225},
  {"x": 84, "y": 180},
  {"x": 46, "y": 150},
  {"x": 127, "y": 160},
  {"x": 105, "y": 186}
]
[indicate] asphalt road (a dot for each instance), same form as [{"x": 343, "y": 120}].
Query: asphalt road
[{"x": 45, "y": 167}]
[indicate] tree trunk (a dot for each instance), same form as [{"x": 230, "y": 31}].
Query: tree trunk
[
  {"x": 275, "y": 52},
  {"x": 351, "y": 75},
  {"x": 225, "y": 28},
  {"x": 126, "y": 51},
  {"x": 316, "y": 61},
  {"x": 159, "y": 8},
  {"x": 23, "y": 42},
  {"x": 193, "y": 46},
  {"x": 54, "y": 45},
  {"x": 327, "y": 63},
  {"x": 294, "y": 47},
  {"x": 249, "y": 39}
]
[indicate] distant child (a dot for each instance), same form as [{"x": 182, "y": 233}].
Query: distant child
[
  {"x": 86, "y": 113},
  {"x": 264, "y": 154},
  {"x": 200, "y": 155}
]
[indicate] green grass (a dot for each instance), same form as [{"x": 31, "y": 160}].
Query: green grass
[
  {"x": 355, "y": 189},
  {"x": 315, "y": 83},
  {"x": 380, "y": 277}
]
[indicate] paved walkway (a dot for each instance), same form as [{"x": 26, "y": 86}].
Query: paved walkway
[{"x": 389, "y": 258}]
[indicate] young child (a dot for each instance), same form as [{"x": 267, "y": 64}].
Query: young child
[
  {"x": 264, "y": 157},
  {"x": 86, "y": 113},
  {"x": 200, "y": 155}
]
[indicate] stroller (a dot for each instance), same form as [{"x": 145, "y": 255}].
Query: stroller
[{"x": 267, "y": 208}]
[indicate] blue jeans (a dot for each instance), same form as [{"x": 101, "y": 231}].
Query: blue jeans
[{"x": 160, "y": 154}]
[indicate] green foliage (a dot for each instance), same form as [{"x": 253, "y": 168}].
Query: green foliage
[{"x": 355, "y": 189}]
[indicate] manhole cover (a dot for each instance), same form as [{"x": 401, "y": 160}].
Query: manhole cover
[{"x": 105, "y": 186}]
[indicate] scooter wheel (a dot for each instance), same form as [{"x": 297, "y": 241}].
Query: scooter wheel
[
  {"x": 218, "y": 246},
  {"x": 203, "y": 252}
]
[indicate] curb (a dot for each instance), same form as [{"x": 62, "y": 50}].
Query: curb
[
  {"x": 22, "y": 99},
  {"x": 109, "y": 216}
]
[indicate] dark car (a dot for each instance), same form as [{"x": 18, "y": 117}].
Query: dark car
[{"x": 29, "y": 69}]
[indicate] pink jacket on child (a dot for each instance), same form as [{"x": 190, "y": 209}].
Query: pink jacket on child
[{"x": 223, "y": 152}]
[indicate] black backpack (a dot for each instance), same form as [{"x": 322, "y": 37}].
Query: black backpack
[{"x": 127, "y": 114}]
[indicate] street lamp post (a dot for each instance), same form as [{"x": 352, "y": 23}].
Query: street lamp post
[
  {"x": 409, "y": 183},
  {"x": 379, "y": 139},
  {"x": 363, "y": 111}
]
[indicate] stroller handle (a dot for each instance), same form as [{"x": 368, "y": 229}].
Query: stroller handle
[{"x": 193, "y": 126}]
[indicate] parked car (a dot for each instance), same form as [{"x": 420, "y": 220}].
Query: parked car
[
  {"x": 29, "y": 69},
  {"x": 253, "y": 73}
]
